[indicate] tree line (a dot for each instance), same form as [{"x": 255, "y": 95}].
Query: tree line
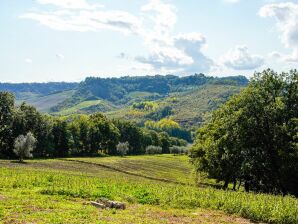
[
  {"x": 252, "y": 140},
  {"x": 75, "y": 135}
]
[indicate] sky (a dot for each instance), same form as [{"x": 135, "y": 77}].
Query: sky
[{"x": 69, "y": 40}]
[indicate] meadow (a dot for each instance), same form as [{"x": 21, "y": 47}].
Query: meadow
[{"x": 157, "y": 189}]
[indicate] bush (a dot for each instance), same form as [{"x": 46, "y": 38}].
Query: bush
[
  {"x": 178, "y": 150},
  {"x": 152, "y": 149},
  {"x": 123, "y": 148}
]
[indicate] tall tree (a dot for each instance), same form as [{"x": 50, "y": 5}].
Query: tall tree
[{"x": 6, "y": 121}]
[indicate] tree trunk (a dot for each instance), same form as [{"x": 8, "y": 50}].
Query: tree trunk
[
  {"x": 234, "y": 185},
  {"x": 246, "y": 186},
  {"x": 226, "y": 184}
]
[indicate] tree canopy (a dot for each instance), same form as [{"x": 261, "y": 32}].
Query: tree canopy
[
  {"x": 75, "y": 135},
  {"x": 253, "y": 137}
]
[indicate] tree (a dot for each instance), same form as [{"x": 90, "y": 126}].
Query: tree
[
  {"x": 24, "y": 145},
  {"x": 6, "y": 120},
  {"x": 123, "y": 148},
  {"x": 165, "y": 142},
  {"x": 61, "y": 138},
  {"x": 253, "y": 137},
  {"x": 129, "y": 132},
  {"x": 103, "y": 134}
]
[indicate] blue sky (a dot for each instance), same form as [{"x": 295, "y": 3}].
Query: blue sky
[{"x": 68, "y": 40}]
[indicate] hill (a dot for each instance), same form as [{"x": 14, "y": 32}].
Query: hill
[
  {"x": 28, "y": 90},
  {"x": 187, "y": 100}
]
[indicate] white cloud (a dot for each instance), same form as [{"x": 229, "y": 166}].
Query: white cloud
[
  {"x": 286, "y": 15},
  {"x": 275, "y": 54},
  {"x": 180, "y": 53},
  {"x": 239, "y": 58},
  {"x": 292, "y": 57},
  {"x": 70, "y": 4},
  {"x": 231, "y": 1},
  {"x": 154, "y": 24},
  {"x": 60, "y": 56},
  {"x": 84, "y": 21},
  {"x": 28, "y": 60},
  {"x": 183, "y": 54}
]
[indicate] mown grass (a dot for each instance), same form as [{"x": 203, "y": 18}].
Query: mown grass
[
  {"x": 167, "y": 167},
  {"x": 56, "y": 178}
]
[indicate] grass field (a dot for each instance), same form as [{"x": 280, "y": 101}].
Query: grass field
[
  {"x": 45, "y": 103},
  {"x": 157, "y": 189},
  {"x": 86, "y": 107}
]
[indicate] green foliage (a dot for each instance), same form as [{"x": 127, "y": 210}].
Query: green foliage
[
  {"x": 146, "y": 106},
  {"x": 131, "y": 133},
  {"x": 169, "y": 126},
  {"x": 252, "y": 138},
  {"x": 6, "y": 119},
  {"x": 72, "y": 135}
]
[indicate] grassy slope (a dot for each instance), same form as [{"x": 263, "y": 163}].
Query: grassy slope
[
  {"x": 86, "y": 107},
  {"x": 58, "y": 191},
  {"x": 190, "y": 108},
  {"x": 193, "y": 106},
  {"x": 45, "y": 103}
]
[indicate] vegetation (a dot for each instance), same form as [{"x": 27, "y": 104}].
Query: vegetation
[
  {"x": 178, "y": 150},
  {"x": 151, "y": 149},
  {"x": 253, "y": 137},
  {"x": 23, "y": 90},
  {"x": 50, "y": 186},
  {"x": 184, "y": 99},
  {"x": 24, "y": 145},
  {"x": 75, "y": 135},
  {"x": 122, "y": 148},
  {"x": 249, "y": 143}
]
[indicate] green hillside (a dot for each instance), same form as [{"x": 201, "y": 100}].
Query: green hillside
[
  {"x": 87, "y": 107},
  {"x": 187, "y": 100},
  {"x": 44, "y": 103},
  {"x": 189, "y": 108}
]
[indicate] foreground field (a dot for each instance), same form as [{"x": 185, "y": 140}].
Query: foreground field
[{"x": 158, "y": 189}]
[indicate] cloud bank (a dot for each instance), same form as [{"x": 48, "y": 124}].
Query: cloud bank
[
  {"x": 154, "y": 24},
  {"x": 286, "y": 17},
  {"x": 239, "y": 58}
]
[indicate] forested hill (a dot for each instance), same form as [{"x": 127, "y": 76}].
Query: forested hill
[
  {"x": 22, "y": 90},
  {"x": 187, "y": 99},
  {"x": 115, "y": 89}
]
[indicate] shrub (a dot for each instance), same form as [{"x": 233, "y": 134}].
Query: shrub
[
  {"x": 152, "y": 149},
  {"x": 123, "y": 148}
]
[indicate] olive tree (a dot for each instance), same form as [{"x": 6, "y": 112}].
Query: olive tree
[
  {"x": 123, "y": 148},
  {"x": 24, "y": 145}
]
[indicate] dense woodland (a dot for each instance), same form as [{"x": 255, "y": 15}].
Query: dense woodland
[{"x": 253, "y": 138}]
